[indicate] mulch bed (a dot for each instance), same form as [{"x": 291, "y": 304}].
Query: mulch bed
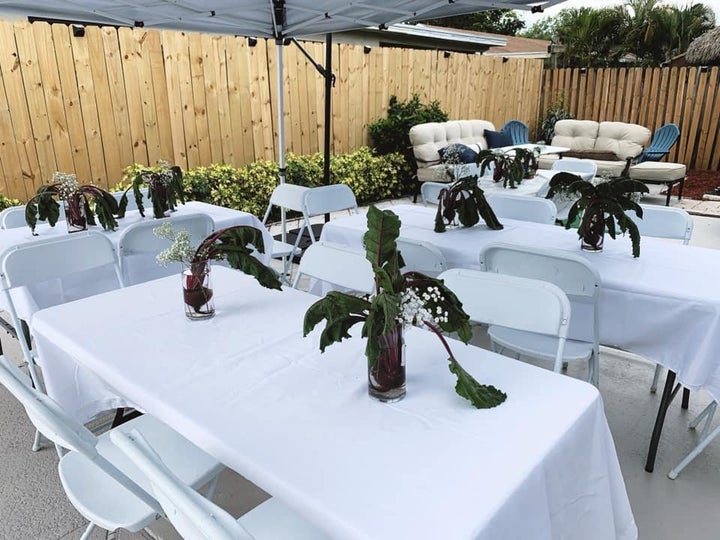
[{"x": 698, "y": 183}]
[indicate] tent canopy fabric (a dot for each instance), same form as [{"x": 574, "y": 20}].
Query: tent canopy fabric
[{"x": 258, "y": 18}]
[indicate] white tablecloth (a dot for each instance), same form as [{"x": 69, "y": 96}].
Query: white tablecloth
[
  {"x": 101, "y": 280},
  {"x": 664, "y": 305},
  {"x": 246, "y": 387}
]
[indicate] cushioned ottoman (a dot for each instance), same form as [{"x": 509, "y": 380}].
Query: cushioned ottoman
[{"x": 660, "y": 172}]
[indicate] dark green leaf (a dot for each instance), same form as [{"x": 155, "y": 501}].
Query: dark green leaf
[{"x": 481, "y": 396}]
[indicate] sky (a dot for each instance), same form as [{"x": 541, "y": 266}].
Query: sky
[{"x": 530, "y": 18}]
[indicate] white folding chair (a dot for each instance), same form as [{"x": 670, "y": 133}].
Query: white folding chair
[
  {"x": 76, "y": 256},
  {"x": 12, "y": 217},
  {"x": 195, "y": 517},
  {"x": 337, "y": 265},
  {"x": 421, "y": 257},
  {"x": 523, "y": 208},
  {"x": 287, "y": 197},
  {"x": 105, "y": 487},
  {"x": 514, "y": 304},
  {"x": 430, "y": 191},
  {"x": 326, "y": 199},
  {"x": 138, "y": 245},
  {"x": 664, "y": 222},
  {"x": 578, "y": 280}
]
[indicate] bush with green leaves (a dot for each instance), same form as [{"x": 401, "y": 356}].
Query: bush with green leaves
[
  {"x": 371, "y": 178},
  {"x": 556, "y": 111},
  {"x": 390, "y": 134},
  {"x": 7, "y": 202}
]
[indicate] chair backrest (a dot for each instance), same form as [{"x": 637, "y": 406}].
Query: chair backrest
[
  {"x": 137, "y": 245},
  {"x": 573, "y": 274},
  {"x": 58, "y": 257},
  {"x": 535, "y": 209},
  {"x": 430, "y": 191},
  {"x": 52, "y": 421},
  {"x": 337, "y": 265},
  {"x": 586, "y": 168},
  {"x": 512, "y": 302},
  {"x": 663, "y": 139},
  {"x": 287, "y": 196},
  {"x": 421, "y": 256},
  {"x": 518, "y": 131},
  {"x": 194, "y": 516},
  {"x": 665, "y": 222},
  {"x": 42, "y": 260},
  {"x": 12, "y": 217},
  {"x": 326, "y": 199}
]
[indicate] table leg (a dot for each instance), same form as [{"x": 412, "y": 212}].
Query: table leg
[{"x": 667, "y": 397}]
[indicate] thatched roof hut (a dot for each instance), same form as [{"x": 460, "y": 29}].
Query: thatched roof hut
[{"x": 705, "y": 50}]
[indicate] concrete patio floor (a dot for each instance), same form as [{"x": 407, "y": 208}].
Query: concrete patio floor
[{"x": 33, "y": 504}]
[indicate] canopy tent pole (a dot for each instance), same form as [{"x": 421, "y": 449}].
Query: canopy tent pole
[
  {"x": 328, "y": 108},
  {"x": 281, "y": 128}
]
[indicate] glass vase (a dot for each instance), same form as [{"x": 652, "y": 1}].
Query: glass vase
[
  {"x": 593, "y": 230},
  {"x": 198, "y": 291},
  {"x": 75, "y": 217},
  {"x": 386, "y": 376}
]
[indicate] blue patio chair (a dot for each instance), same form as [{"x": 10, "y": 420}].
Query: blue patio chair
[
  {"x": 517, "y": 130},
  {"x": 663, "y": 139}
]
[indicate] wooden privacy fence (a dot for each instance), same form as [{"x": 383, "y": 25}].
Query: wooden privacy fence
[
  {"x": 688, "y": 97},
  {"x": 96, "y": 103}
]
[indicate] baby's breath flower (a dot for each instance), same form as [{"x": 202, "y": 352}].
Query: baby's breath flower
[
  {"x": 180, "y": 250},
  {"x": 69, "y": 185}
]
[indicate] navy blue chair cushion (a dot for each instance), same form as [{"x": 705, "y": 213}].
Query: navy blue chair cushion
[
  {"x": 465, "y": 153},
  {"x": 497, "y": 139}
]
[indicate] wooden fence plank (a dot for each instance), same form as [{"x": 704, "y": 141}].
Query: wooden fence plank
[
  {"x": 171, "y": 49},
  {"x": 160, "y": 119},
  {"x": 135, "y": 90},
  {"x": 699, "y": 84},
  {"x": 215, "y": 103},
  {"x": 118, "y": 96},
  {"x": 71, "y": 101},
  {"x": 709, "y": 128},
  {"x": 355, "y": 83},
  {"x": 32, "y": 82},
  {"x": 199, "y": 98}
]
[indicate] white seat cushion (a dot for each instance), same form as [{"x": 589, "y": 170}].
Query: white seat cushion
[
  {"x": 577, "y": 135},
  {"x": 428, "y": 138},
  {"x": 657, "y": 171}
]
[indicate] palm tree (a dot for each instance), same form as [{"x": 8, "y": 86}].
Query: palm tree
[{"x": 689, "y": 23}]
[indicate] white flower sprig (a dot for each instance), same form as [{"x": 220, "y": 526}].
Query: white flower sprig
[
  {"x": 418, "y": 307},
  {"x": 180, "y": 250},
  {"x": 68, "y": 184}
]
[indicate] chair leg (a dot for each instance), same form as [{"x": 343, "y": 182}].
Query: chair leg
[
  {"x": 692, "y": 455},
  {"x": 36, "y": 441},
  {"x": 685, "y": 399},
  {"x": 656, "y": 378},
  {"x": 680, "y": 190},
  {"x": 669, "y": 192},
  {"x": 708, "y": 412},
  {"x": 210, "y": 492},
  {"x": 88, "y": 531}
]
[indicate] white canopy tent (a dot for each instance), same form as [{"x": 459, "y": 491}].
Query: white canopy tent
[{"x": 278, "y": 19}]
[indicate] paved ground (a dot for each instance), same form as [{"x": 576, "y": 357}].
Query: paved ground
[{"x": 33, "y": 505}]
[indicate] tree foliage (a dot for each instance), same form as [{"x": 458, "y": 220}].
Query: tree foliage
[
  {"x": 646, "y": 31},
  {"x": 494, "y": 21}
]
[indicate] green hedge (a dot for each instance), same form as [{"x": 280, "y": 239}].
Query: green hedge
[
  {"x": 7, "y": 202},
  {"x": 371, "y": 178}
]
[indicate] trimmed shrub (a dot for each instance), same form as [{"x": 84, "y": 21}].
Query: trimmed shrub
[
  {"x": 371, "y": 178},
  {"x": 7, "y": 202},
  {"x": 391, "y": 134}
]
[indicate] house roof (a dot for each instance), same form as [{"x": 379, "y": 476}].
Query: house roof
[{"x": 521, "y": 46}]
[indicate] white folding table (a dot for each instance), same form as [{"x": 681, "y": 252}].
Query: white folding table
[{"x": 249, "y": 389}]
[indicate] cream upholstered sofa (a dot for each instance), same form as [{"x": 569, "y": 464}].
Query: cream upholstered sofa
[
  {"x": 609, "y": 144},
  {"x": 426, "y": 139}
]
